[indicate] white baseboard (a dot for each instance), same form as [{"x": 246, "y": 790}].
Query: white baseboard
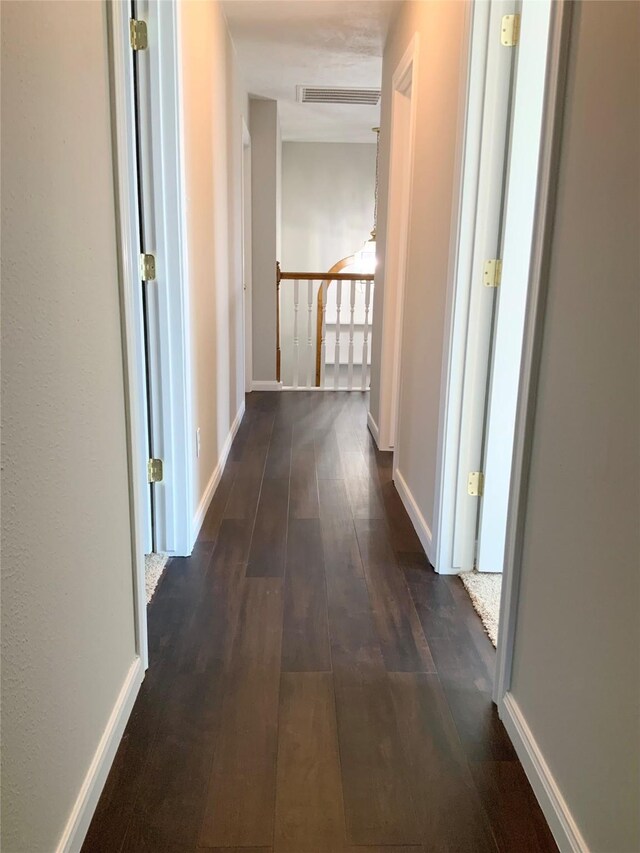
[
  {"x": 266, "y": 385},
  {"x": 212, "y": 485},
  {"x": 554, "y": 807},
  {"x": 417, "y": 519},
  {"x": 375, "y": 432},
  {"x": 373, "y": 429},
  {"x": 87, "y": 800}
]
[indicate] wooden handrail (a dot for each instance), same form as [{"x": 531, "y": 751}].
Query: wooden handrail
[{"x": 323, "y": 276}]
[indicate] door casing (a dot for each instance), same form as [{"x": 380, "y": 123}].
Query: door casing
[
  {"x": 470, "y": 304},
  {"x": 548, "y": 63},
  {"x": 172, "y": 368},
  {"x": 246, "y": 255}
]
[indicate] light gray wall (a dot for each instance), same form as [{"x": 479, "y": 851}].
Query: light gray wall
[
  {"x": 442, "y": 32},
  {"x": 67, "y": 594},
  {"x": 328, "y": 196},
  {"x": 265, "y": 228},
  {"x": 577, "y": 650}
]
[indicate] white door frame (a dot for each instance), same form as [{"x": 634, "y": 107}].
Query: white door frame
[
  {"x": 246, "y": 254},
  {"x": 170, "y": 354},
  {"x": 552, "y": 119},
  {"x": 173, "y": 370},
  {"x": 469, "y": 307},
  {"x": 557, "y": 52},
  {"x": 404, "y": 87},
  {"x": 131, "y": 305},
  {"x": 506, "y": 355}
]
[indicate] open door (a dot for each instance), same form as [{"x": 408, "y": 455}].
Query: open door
[
  {"x": 140, "y": 14},
  {"x": 164, "y": 298},
  {"x": 522, "y": 186},
  {"x": 495, "y": 59}
]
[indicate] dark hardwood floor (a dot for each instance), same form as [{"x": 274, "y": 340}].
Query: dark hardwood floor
[{"x": 314, "y": 687}]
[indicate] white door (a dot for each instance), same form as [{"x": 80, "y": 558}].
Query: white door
[
  {"x": 142, "y": 10},
  {"x": 172, "y": 433},
  {"x": 486, "y": 245},
  {"x": 512, "y": 294}
]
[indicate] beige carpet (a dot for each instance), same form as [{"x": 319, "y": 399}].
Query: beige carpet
[
  {"x": 153, "y": 568},
  {"x": 484, "y": 589}
]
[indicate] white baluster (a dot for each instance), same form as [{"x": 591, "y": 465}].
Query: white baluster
[
  {"x": 309, "y": 332},
  {"x": 323, "y": 334},
  {"x": 365, "y": 339},
  {"x": 336, "y": 357},
  {"x": 296, "y": 348},
  {"x": 352, "y": 308}
]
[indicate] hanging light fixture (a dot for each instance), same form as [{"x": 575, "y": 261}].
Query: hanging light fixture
[{"x": 366, "y": 257}]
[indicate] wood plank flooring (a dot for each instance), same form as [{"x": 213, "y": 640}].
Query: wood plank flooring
[{"x": 314, "y": 687}]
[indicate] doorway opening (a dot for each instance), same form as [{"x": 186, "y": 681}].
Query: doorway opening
[
  {"x": 510, "y": 95},
  {"x": 154, "y": 298}
]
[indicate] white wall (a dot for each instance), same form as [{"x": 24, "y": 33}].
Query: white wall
[
  {"x": 327, "y": 202},
  {"x": 265, "y": 232},
  {"x": 67, "y": 593},
  {"x": 577, "y": 647},
  {"x": 327, "y": 214},
  {"x": 441, "y": 26},
  {"x": 213, "y": 105}
]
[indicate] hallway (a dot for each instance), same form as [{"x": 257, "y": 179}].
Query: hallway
[{"x": 313, "y": 685}]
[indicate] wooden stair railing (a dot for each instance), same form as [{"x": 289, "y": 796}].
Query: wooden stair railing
[{"x": 324, "y": 279}]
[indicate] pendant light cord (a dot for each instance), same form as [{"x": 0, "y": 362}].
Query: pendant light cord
[{"x": 376, "y": 130}]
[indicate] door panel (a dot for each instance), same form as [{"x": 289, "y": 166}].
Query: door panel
[
  {"x": 512, "y": 295},
  {"x": 142, "y": 59},
  {"x": 142, "y": 169},
  {"x": 487, "y": 240}
]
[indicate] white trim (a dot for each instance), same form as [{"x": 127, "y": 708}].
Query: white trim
[
  {"x": 404, "y": 82},
  {"x": 212, "y": 485},
  {"x": 554, "y": 807},
  {"x": 326, "y": 390},
  {"x": 87, "y": 799},
  {"x": 245, "y": 189},
  {"x": 532, "y": 339},
  {"x": 131, "y": 309},
  {"x": 268, "y": 385},
  {"x": 170, "y": 360},
  {"x": 508, "y": 328},
  {"x": 417, "y": 519},
  {"x": 373, "y": 429},
  {"x": 470, "y": 305}
]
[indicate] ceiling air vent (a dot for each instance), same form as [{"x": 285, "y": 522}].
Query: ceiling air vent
[{"x": 327, "y": 95}]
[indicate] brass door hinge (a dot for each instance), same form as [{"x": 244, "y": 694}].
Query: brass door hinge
[
  {"x": 154, "y": 470},
  {"x": 147, "y": 267},
  {"x": 475, "y": 484},
  {"x": 492, "y": 273},
  {"x": 138, "y": 34},
  {"x": 510, "y": 32}
]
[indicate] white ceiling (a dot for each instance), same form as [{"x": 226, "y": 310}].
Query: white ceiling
[{"x": 285, "y": 43}]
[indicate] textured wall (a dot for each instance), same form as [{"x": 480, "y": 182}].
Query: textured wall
[
  {"x": 67, "y": 597},
  {"x": 577, "y": 647},
  {"x": 213, "y": 103}
]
